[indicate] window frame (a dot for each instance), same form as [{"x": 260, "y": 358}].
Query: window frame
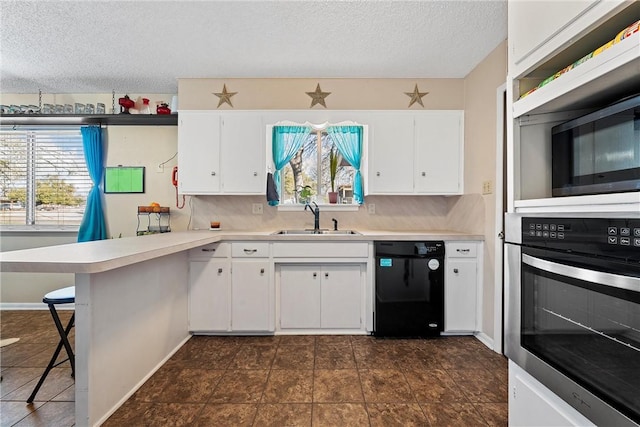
[
  {"x": 28, "y": 171},
  {"x": 321, "y": 127}
]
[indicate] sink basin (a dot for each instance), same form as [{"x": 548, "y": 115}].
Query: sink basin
[{"x": 318, "y": 233}]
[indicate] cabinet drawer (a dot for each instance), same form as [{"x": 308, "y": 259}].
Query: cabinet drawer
[
  {"x": 461, "y": 249},
  {"x": 213, "y": 250},
  {"x": 250, "y": 250},
  {"x": 314, "y": 250}
]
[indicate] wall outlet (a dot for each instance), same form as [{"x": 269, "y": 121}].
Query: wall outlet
[
  {"x": 257, "y": 209},
  {"x": 160, "y": 168},
  {"x": 487, "y": 187},
  {"x": 371, "y": 208}
]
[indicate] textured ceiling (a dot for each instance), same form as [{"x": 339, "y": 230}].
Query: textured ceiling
[{"x": 145, "y": 46}]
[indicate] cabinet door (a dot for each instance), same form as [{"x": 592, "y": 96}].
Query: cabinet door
[
  {"x": 341, "y": 297},
  {"x": 532, "y": 24},
  {"x": 300, "y": 296},
  {"x": 250, "y": 296},
  {"x": 460, "y": 294},
  {"x": 243, "y": 154},
  {"x": 209, "y": 296},
  {"x": 438, "y": 152},
  {"x": 199, "y": 152},
  {"x": 391, "y": 151},
  {"x": 531, "y": 403}
]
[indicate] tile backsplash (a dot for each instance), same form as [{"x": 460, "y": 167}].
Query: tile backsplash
[{"x": 392, "y": 213}]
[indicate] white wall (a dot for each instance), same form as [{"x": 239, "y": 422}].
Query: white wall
[{"x": 480, "y": 159}]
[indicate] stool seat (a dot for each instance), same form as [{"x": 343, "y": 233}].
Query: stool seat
[{"x": 61, "y": 296}]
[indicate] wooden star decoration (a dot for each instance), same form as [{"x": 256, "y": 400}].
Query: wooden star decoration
[
  {"x": 318, "y": 97},
  {"x": 416, "y": 96},
  {"x": 225, "y": 97}
]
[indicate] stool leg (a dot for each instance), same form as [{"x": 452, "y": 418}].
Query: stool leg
[
  {"x": 64, "y": 333},
  {"x": 64, "y": 342}
]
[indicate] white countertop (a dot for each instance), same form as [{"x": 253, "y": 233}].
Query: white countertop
[{"x": 104, "y": 255}]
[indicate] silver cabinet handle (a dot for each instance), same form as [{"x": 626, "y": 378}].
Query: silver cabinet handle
[
  {"x": 377, "y": 173},
  {"x": 250, "y": 251},
  {"x": 213, "y": 173},
  {"x": 219, "y": 271},
  {"x": 208, "y": 249},
  {"x": 326, "y": 275},
  {"x": 315, "y": 274},
  {"x": 255, "y": 174},
  {"x": 262, "y": 271},
  {"x": 455, "y": 270},
  {"x": 463, "y": 250},
  {"x": 424, "y": 174}
]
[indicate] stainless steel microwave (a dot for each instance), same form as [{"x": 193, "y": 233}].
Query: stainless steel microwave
[{"x": 598, "y": 153}]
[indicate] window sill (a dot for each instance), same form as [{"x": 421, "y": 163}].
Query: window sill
[
  {"x": 38, "y": 228},
  {"x": 323, "y": 208}
]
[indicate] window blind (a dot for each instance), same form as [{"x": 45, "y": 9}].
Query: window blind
[{"x": 43, "y": 176}]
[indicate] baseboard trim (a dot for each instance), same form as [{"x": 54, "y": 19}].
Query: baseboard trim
[
  {"x": 32, "y": 306},
  {"x": 485, "y": 339}
]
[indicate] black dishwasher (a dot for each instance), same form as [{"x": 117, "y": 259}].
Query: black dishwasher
[{"x": 409, "y": 284}]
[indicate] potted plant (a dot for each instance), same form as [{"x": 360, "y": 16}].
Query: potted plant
[{"x": 334, "y": 160}]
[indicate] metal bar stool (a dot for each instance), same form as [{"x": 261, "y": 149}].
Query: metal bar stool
[{"x": 53, "y": 298}]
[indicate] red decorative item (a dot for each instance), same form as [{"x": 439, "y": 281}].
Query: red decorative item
[
  {"x": 163, "y": 109},
  {"x": 146, "y": 108},
  {"x": 125, "y": 104}
]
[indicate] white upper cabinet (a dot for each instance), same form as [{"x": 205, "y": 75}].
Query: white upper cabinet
[
  {"x": 439, "y": 158},
  {"x": 570, "y": 46},
  {"x": 243, "y": 154},
  {"x": 198, "y": 152},
  {"x": 416, "y": 153},
  {"x": 391, "y": 154},
  {"x": 536, "y": 25},
  {"x": 404, "y": 153},
  {"x": 221, "y": 153}
]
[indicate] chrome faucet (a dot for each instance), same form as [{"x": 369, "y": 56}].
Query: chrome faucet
[{"x": 316, "y": 216}]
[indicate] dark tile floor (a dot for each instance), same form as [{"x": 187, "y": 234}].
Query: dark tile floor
[{"x": 274, "y": 381}]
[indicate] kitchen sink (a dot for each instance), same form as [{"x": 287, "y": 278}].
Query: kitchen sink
[{"x": 316, "y": 233}]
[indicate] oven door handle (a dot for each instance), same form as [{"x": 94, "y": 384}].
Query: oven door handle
[{"x": 607, "y": 279}]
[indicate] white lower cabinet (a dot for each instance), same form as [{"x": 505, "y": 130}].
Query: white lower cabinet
[
  {"x": 532, "y": 404},
  {"x": 250, "y": 295},
  {"x": 340, "y": 297},
  {"x": 209, "y": 295},
  {"x": 299, "y": 296},
  {"x": 461, "y": 287},
  {"x": 230, "y": 290},
  {"x": 210, "y": 288},
  {"x": 316, "y": 296}
]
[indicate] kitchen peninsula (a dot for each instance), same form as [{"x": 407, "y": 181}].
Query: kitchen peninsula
[{"x": 132, "y": 302}]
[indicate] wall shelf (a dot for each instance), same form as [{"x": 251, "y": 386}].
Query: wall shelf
[
  {"x": 93, "y": 119},
  {"x": 157, "y": 221},
  {"x": 596, "y": 82}
]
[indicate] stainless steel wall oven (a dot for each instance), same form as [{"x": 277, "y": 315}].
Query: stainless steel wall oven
[{"x": 573, "y": 309}]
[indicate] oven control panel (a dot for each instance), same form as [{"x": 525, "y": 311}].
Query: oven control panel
[{"x": 618, "y": 237}]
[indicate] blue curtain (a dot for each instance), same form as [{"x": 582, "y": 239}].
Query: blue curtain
[
  {"x": 93, "y": 226},
  {"x": 348, "y": 141},
  {"x": 286, "y": 142}
]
